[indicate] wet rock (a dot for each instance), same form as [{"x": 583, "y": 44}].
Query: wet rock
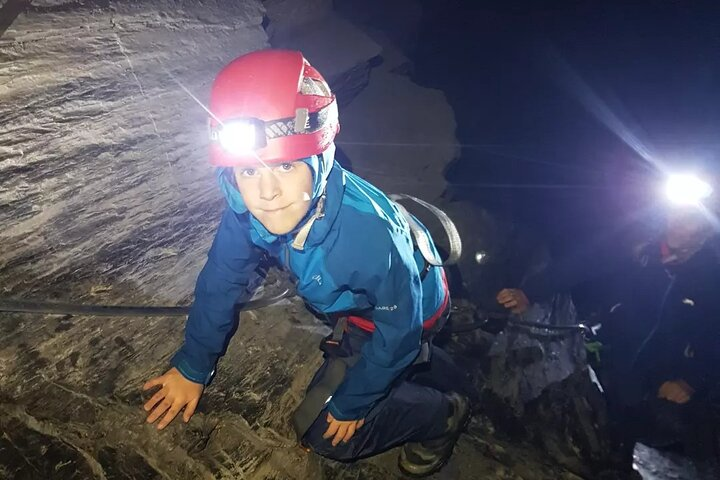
[
  {"x": 347, "y": 65},
  {"x": 395, "y": 25},
  {"x": 26, "y": 453},
  {"x": 395, "y": 133},
  {"x": 400, "y": 136},
  {"x": 93, "y": 120},
  {"x": 121, "y": 464},
  {"x": 290, "y": 17}
]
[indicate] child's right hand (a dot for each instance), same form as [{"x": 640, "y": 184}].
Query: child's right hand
[{"x": 177, "y": 392}]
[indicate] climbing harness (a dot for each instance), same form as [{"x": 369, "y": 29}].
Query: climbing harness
[{"x": 341, "y": 354}]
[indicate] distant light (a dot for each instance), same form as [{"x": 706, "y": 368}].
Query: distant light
[
  {"x": 480, "y": 257},
  {"x": 238, "y": 137},
  {"x": 687, "y": 189}
]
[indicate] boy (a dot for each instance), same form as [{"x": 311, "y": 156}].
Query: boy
[{"x": 352, "y": 254}]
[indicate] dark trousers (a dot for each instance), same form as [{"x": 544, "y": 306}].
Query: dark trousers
[{"x": 414, "y": 410}]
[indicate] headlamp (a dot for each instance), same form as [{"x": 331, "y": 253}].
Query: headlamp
[
  {"x": 687, "y": 189},
  {"x": 241, "y": 136}
]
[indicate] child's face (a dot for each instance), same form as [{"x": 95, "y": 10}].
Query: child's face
[{"x": 277, "y": 195}]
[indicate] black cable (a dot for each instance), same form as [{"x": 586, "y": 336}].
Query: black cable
[
  {"x": 524, "y": 323},
  {"x": 493, "y": 323},
  {"x": 29, "y": 306},
  {"x": 496, "y": 323}
]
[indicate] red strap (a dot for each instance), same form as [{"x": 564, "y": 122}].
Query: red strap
[{"x": 369, "y": 326}]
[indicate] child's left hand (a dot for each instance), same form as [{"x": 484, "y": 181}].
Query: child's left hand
[{"x": 341, "y": 430}]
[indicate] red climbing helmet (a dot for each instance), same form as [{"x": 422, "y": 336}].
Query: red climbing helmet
[{"x": 270, "y": 105}]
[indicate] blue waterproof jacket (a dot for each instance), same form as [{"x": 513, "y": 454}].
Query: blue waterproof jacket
[{"x": 358, "y": 257}]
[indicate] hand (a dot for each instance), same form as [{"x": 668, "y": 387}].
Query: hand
[
  {"x": 676, "y": 391},
  {"x": 514, "y": 299},
  {"x": 177, "y": 392},
  {"x": 341, "y": 430}
]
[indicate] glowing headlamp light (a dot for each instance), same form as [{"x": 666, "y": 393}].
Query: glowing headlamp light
[
  {"x": 687, "y": 189},
  {"x": 240, "y": 137}
]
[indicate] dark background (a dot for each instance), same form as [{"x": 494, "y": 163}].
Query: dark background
[
  {"x": 518, "y": 78},
  {"x": 533, "y": 86}
]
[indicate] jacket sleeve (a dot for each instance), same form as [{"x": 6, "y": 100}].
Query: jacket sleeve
[
  {"x": 230, "y": 266},
  {"x": 396, "y": 293}
]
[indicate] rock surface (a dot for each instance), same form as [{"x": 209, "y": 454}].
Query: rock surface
[
  {"x": 397, "y": 134},
  {"x": 340, "y": 51}
]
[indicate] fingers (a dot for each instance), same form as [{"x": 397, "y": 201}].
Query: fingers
[
  {"x": 663, "y": 390},
  {"x": 176, "y": 394},
  {"x": 510, "y": 304},
  {"x": 154, "y": 400},
  {"x": 673, "y": 392},
  {"x": 172, "y": 413},
  {"x": 153, "y": 382},
  {"x": 170, "y": 409},
  {"x": 674, "y": 397},
  {"x": 159, "y": 410},
  {"x": 513, "y": 299},
  {"x": 190, "y": 410},
  {"x": 349, "y": 433},
  {"x": 679, "y": 396},
  {"x": 332, "y": 428},
  {"x": 686, "y": 388},
  {"x": 342, "y": 431},
  {"x": 504, "y": 295}
]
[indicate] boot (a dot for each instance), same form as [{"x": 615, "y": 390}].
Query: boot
[{"x": 420, "y": 459}]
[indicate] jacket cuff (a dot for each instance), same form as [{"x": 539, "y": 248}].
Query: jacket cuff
[{"x": 181, "y": 362}]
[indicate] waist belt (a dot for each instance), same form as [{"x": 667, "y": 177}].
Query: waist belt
[
  {"x": 430, "y": 326},
  {"x": 317, "y": 396},
  {"x": 327, "y": 381}
]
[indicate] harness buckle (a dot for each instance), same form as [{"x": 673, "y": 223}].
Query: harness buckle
[{"x": 332, "y": 344}]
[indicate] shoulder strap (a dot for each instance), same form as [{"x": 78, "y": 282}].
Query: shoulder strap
[{"x": 422, "y": 238}]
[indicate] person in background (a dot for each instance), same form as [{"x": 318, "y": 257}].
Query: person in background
[{"x": 661, "y": 337}]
